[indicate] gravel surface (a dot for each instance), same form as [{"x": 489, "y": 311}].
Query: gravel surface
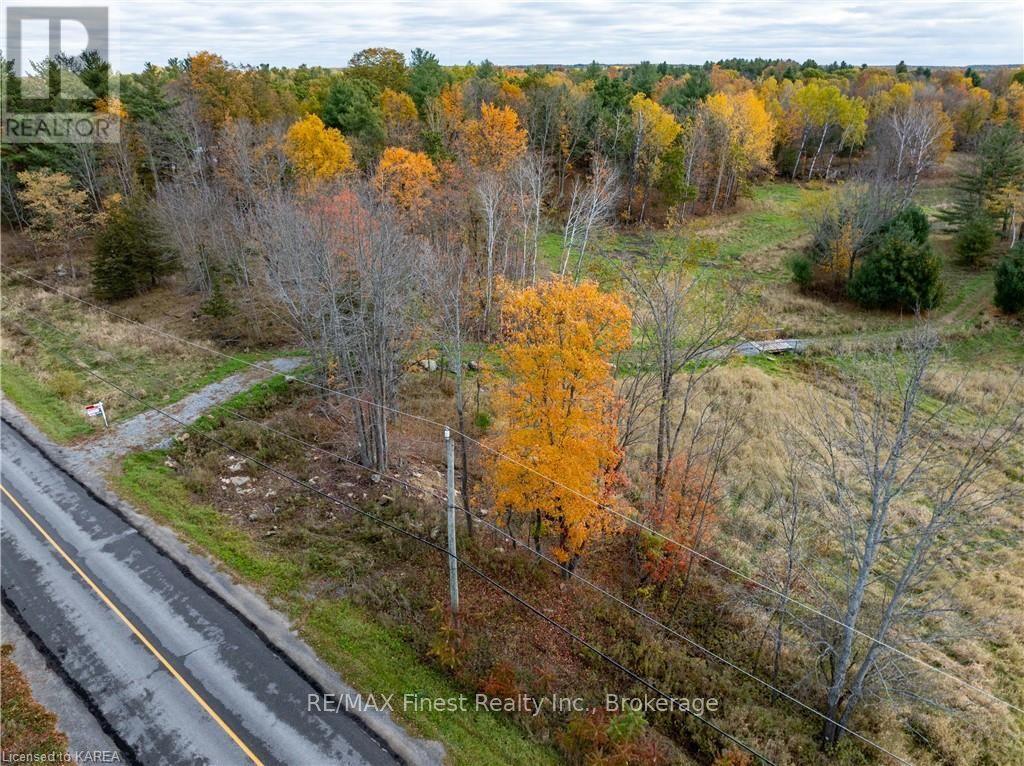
[{"x": 148, "y": 429}]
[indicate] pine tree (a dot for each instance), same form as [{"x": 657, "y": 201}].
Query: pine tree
[
  {"x": 130, "y": 255},
  {"x": 999, "y": 164},
  {"x": 975, "y": 239},
  {"x": 900, "y": 273},
  {"x": 1010, "y": 281}
]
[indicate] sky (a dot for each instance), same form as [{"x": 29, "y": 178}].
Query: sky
[{"x": 286, "y": 33}]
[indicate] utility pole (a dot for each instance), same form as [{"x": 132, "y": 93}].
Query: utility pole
[{"x": 453, "y": 564}]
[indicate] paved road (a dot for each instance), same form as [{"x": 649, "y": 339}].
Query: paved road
[{"x": 187, "y": 681}]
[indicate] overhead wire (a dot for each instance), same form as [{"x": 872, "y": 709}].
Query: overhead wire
[
  {"x": 604, "y": 506},
  {"x": 675, "y": 702}
]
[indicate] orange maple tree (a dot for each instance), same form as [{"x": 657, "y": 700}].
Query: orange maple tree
[
  {"x": 558, "y": 407},
  {"x": 406, "y": 177}
]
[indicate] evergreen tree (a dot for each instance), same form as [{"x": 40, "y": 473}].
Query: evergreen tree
[
  {"x": 217, "y": 306},
  {"x": 644, "y": 77},
  {"x": 1010, "y": 281},
  {"x": 130, "y": 255},
  {"x": 426, "y": 78},
  {"x": 999, "y": 164},
  {"x": 352, "y": 107},
  {"x": 914, "y": 219},
  {"x": 899, "y": 273},
  {"x": 975, "y": 239}
]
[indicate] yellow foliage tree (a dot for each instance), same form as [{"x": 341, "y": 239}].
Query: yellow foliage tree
[
  {"x": 740, "y": 141},
  {"x": 58, "y": 210},
  {"x": 654, "y": 131},
  {"x": 401, "y": 120},
  {"x": 496, "y": 140},
  {"x": 317, "y": 153},
  {"x": 969, "y": 119},
  {"x": 558, "y": 405},
  {"x": 511, "y": 94},
  {"x": 112, "y": 106},
  {"x": 751, "y": 129},
  {"x": 406, "y": 177},
  {"x": 1015, "y": 103},
  {"x": 655, "y": 127}
]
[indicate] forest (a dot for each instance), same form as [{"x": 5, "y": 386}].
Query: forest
[{"x": 586, "y": 273}]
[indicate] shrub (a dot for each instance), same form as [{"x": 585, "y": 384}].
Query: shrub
[
  {"x": 975, "y": 239},
  {"x": 66, "y": 384},
  {"x": 1010, "y": 281},
  {"x": 218, "y": 305},
  {"x": 916, "y": 220},
  {"x": 801, "y": 270},
  {"x": 899, "y": 273},
  {"x": 482, "y": 420},
  {"x": 129, "y": 255}
]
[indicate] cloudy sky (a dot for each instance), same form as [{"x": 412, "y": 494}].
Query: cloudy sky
[{"x": 285, "y": 32}]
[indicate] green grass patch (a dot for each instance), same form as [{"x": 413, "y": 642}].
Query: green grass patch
[
  {"x": 224, "y": 369},
  {"x": 254, "y": 401},
  {"x": 773, "y": 364},
  {"x": 773, "y": 218},
  {"x": 372, "y": 657},
  {"x": 50, "y": 413},
  {"x": 1003, "y": 343},
  {"x": 146, "y": 480},
  {"x": 549, "y": 250},
  {"x": 52, "y": 390}
]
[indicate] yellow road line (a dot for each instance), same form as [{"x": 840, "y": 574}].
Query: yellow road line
[{"x": 138, "y": 634}]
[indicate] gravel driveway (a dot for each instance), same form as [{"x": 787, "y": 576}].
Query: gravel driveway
[{"x": 148, "y": 429}]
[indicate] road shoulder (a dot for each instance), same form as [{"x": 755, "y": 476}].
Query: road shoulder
[{"x": 82, "y": 728}]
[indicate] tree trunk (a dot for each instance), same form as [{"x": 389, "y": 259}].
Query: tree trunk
[
  {"x": 821, "y": 143},
  {"x": 460, "y": 410}
]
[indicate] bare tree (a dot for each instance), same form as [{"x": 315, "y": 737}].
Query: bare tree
[
  {"x": 195, "y": 213},
  {"x": 491, "y": 193},
  {"x": 530, "y": 179},
  {"x": 349, "y": 277},
  {"x": 450, "y": 320},
  {"x": 591, "y": 206},
  {"x": 301, "y": 269},
  {"x": 790, "y": 507},
  {"x": 910, "y": 139},
  {"x": 685, "y": 330},
  {"x": 901, "y": 501},
  {"x": 87, "y": 170}
]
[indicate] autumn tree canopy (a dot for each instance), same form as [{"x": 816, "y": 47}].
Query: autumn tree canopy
[
  {"x": 317, "y": 153},
  {"x": 496, "y": 140},
  {"x": 558, "y": 408},
  {"x": 406, "y": 177}
]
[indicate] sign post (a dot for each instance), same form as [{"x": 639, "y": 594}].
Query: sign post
[{"x": 96, "y": 411}]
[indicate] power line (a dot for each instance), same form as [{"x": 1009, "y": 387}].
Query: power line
[
  {"x": 626, "y": 518},
  {"x": 589, "y": 583},
  {"x": 675, "y": 702},
  {"x": 580, "y": 578}
]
